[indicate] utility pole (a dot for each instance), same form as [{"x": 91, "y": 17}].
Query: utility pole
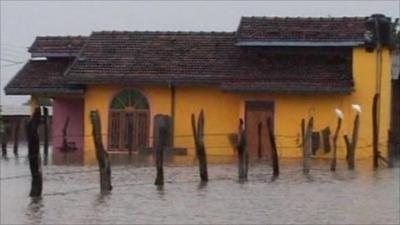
[{"x": 377, "y": 36}]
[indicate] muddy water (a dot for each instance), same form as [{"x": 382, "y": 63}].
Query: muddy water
[{"x": 71, "y": 195}]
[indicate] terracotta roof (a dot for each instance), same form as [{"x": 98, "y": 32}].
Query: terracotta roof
[
  {"x": 57, "y": 46},
  {"x": 298, "y": 30},
  {"x": 205, "y": 58},
  {"x": 42, "y": 77}
]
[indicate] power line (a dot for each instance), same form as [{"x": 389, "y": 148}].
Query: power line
[
  {"x": 14, "y": 46},
  {"x": 11, "y": 51},
  {"x": 13, "y": 64},
  {"x": 10, "y": 60}
]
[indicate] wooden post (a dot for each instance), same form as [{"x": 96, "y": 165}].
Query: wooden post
[
  {"x": 307, "y": 146},
  {"x": 326, "y": 134},
  {"x": 35, "y": 164},
  {"x": 160, "y": 132},
  {"x": 303, "y": 130},
  {"x": 351, "y": 145},
  {"x": 316, "y": 139},
  {"x": 198, "y": 135},
  {"x": 275, "y": 161},
  {"x": 17, "y": 124},
  {"x": 4, "y": 141},
  {"x": 101, "y": 154},
  {"x": 259, "y": 140},
  {"x": 46, "y": 132},
  {"x": 375, "y": 131},
  {"x": 242, "y": 152},
  {"x": 335, "y": 137},
  {"x": 64, "y": 147}
]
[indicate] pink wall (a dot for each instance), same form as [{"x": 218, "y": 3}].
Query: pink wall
[{"x": 72, "y": 108}]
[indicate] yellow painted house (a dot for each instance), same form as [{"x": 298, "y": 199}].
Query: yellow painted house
[{"x": 285, "y": 68}]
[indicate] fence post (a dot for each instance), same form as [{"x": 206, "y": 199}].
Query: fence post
[
  {"x": 303, "y": 130},
  {"x": 46, "y": 133},
  {"x": 275, "y": 160},
  {"x": 160, "y": 131},
  {"x": 242, "y": 152},
  {"x": 307, "y": 146},
  {"x": 326, "y": 133},
  {"x": 34, "y": 154},
  {"x": 101, "y": 154},
  {"x": 198, "y": 136},
  {"x": 17, "y": 125},
  {"x": 351, "y": 145},
  {"x": 4, "y": 141},
  {"x": 334, "y": 140}
]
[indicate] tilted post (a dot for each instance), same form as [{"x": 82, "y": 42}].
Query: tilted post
[
  {"x": 334, "y": 140},
  {"x": 198, "y": 135},
  {"x": 352, "y": 145},
  {"x": 35, "y": 163},
  {"x": 101, "y": 154}
]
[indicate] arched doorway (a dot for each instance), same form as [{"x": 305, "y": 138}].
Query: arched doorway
[{"x": 129, "y": 121}]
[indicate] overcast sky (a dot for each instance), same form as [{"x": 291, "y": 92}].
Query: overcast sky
[{"x": 22, "y": 21}]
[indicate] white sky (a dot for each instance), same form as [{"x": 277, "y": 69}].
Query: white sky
[{"x": 22, "y": 21}]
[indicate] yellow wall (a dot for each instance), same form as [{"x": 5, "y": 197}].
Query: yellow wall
[{"x": 223, "y": 110}]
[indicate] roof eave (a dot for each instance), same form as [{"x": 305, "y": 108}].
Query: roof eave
[
  {"x": 290, "y": 90},
  {"x": 301, "y": 43},
  {"x": 45, "y": 54},
  {"x": 42, "y": 91}
]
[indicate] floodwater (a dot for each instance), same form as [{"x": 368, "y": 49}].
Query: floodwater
[{"x": 71, "y": 195}]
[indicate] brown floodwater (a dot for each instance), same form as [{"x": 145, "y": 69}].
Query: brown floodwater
[{"x": 71, "y": 194}]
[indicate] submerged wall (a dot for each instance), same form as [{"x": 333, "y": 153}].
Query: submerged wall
[
  {"x": 223, "y": 110},
  {"x": 72, "y": 108}
]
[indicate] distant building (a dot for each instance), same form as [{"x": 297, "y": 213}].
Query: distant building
[
  {"x": 283, "y": 68},
  {"x": 11, "y": 115}
]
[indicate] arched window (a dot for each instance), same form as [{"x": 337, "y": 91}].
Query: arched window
[
  {"x": 129, "y": 99},
  {"x": 128, "y": 121}
]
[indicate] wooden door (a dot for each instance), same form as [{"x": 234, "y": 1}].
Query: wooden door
[
  {"x": 256, "y": 114},
  {"x": 128, "y": 129}
]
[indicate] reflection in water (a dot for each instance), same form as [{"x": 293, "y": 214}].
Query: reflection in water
[
  {"x": 202, "y": 185},
  {"x": 16, "y": 160},
  {"x": 102, "y": 198},
  {"x": 34, "y": 210},
  {"x": 161, "y": 192}
]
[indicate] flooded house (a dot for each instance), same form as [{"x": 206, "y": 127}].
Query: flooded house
[{"x": 286, "y": 69}]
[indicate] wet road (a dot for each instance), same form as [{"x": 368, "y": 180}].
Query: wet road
[{"x": 71, "y": 195}]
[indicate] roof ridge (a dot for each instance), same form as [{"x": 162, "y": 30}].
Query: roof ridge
[
  {"x": 166, "y": 32},
  {"x": 305, "y": 18},
  {"x": 61, "y": 37}
]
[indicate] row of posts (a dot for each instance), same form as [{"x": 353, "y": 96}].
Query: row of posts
[{"x": 162, "y": 124}]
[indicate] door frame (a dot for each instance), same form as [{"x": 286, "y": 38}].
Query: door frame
[{"x": 260, "y": 104}]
